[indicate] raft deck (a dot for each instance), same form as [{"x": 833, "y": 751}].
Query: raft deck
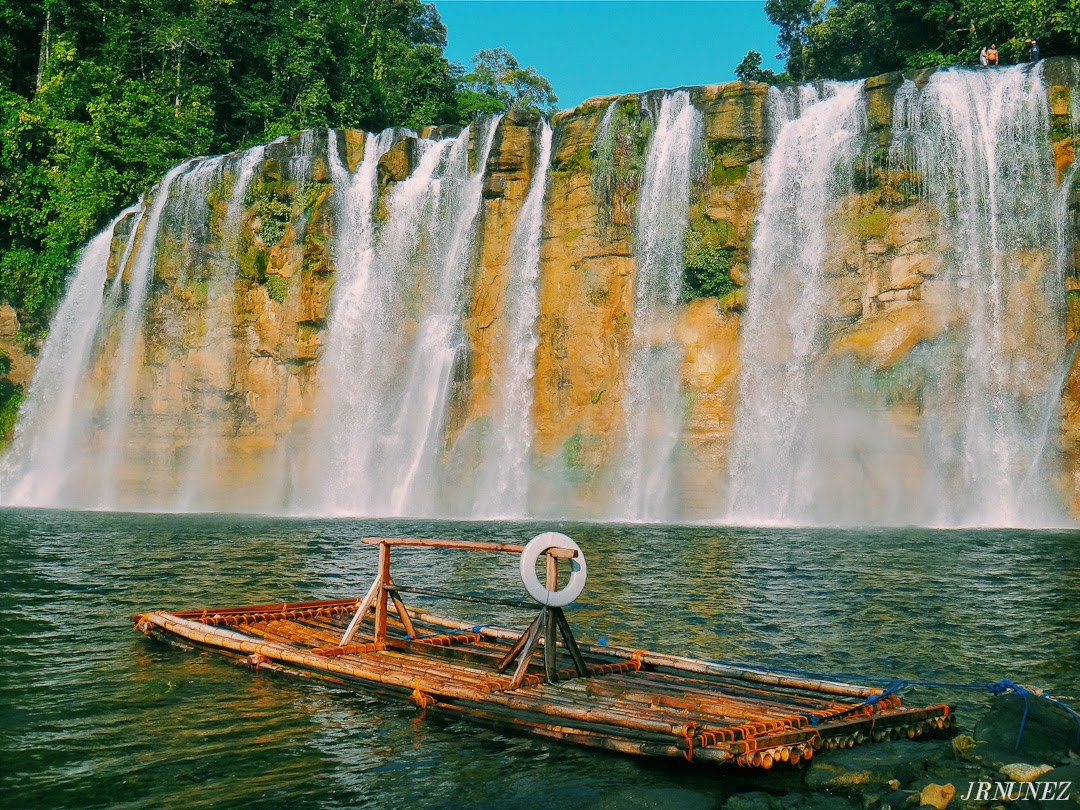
[{"x": 615, "y": 698}]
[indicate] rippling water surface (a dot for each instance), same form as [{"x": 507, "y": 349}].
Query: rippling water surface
[{"x": 94, "y": 714}]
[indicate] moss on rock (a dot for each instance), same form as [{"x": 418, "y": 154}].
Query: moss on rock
[
  {"x": 277, "y": 287},
  {"x": 11, "y": 396}
]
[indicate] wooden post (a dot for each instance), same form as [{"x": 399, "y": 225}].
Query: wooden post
[
  {"x": 571, "y": 642},
  {"x": 365, "y": 606},
  {"x": 551, "y": 577},
  {"x": 550, "y": 667},
  {"x": 549, "y": 623},
  {"x": 519, "y": 645},
  {"x": 402, "y": 612},
  {"x": 530, "y": 647},
  {"x": 380, "y": 600}
]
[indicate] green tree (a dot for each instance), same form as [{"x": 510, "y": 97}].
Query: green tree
[
  {"x": 847, "y": 39},
  {"x": 99, "y": 97},
  {"x": 498, "y": 83},
  {"x": 793, "y": 17},
  {"x": 750, "y": 70}
]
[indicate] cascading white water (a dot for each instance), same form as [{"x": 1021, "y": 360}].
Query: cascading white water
[
  {"x": 140, "y": 275},
  {"x": 35, "y": 470},
  {"x": 395, "y": 334},
  {"x": 205, "y": 454},
  {"x": 602, "y": 139},
  {"x": 773, "y": 476},
  {"x": 73, "y": 455},
  {"x": 146, "y": 396},
  {"x": 981, "y": 144},
  {"x": 653, "y": 401},
  {"x": 814, "y": 442},
  {"x": 505, "y": 474}
]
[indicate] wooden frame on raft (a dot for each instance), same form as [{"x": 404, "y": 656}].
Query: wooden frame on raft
[
  {"x": 616, "y": 698},
  {"x": 546, "y": 627}
]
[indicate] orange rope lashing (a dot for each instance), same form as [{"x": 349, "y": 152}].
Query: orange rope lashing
[
  {"x": 687, "y": 732},
  {"x": 421, "y": 699}
]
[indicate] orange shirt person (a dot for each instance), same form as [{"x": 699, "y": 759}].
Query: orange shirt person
[{"x": 992, "y": 56}]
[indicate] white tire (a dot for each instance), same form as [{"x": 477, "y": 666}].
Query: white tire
[{"x": 578, "y": 570}]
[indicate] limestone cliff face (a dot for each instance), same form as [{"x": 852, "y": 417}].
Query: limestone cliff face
[
  {"x": 232, "y": 368},
  {"x": 225, "y": 361}
]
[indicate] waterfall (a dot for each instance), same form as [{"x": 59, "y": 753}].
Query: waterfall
[
  {"x": 205, "y": 456},
  {"x": 118, "y": 409},
  {"x": 37, "y": 466},
  {"x": 982, "y": 147},
  {"x": 341, "y": 323},
  {"x": 815, "y": 440},
  {"x": 773, "y": 475},
  {"x": 48, "y": 462},
  {"x": 351, "y": 323},
  {"x": 653, "y": 399},
  {"x": 504, "y": 476},
  {"x": 395, "y": 330}
]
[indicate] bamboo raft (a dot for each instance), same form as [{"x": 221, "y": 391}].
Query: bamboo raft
[{"x": 541, "y": 680}]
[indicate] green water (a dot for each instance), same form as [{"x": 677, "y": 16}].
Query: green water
[{"x": 93, "y": 714}]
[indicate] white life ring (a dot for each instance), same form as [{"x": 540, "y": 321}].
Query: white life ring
[{"x": 578, "y": 570}]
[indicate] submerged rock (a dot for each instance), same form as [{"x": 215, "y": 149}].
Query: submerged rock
[
  {"x": 874, "y": 766},
  {"x": 760, "y": 800},
  {"x": 1065, "y": 788},
  {"x": 1049, "y": 733}
]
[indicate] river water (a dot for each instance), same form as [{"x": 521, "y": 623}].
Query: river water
[{"x": 93, "y": 714}]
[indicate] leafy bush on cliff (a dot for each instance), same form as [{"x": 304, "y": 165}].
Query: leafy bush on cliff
[
  {"x": 707, "y": 267},
  {"x": 10, "y": 398}
]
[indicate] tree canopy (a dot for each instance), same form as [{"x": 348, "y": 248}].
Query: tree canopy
[
  {"x": 99, "y": 97},
  {"x": 847, "y": 39},
  {"x": 750, "y": 69},
  {"x": 497, "y": 83}
]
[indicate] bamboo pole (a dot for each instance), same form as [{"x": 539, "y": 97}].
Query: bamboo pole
[
  {"x": 402, "y": 611},
  {"x": 690, "y": 664},
  {"x": 380, "y": 599},
  {"x": 277, "y": 607},
  {"x": 445, "y": 681},
  {"x": 365, "y": 606},
  {"x": 424, "y": 542}
]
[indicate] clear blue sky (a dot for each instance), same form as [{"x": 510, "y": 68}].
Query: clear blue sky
[{"x": 600, "y": 47}]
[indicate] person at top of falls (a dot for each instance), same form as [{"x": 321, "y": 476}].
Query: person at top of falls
[
  {"x": 992, "y": 56},
  {"x": 982, "y": 56},
  {"x": 1034, "y": 53}
]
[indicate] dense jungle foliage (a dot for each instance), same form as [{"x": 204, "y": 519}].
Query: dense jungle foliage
[
  {"x": 99, "y": 97},
  {"x": 848, "y": 39}
]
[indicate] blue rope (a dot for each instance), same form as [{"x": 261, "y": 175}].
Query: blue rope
[
  {"x": 1002, "y": 687},
  {"x": 1005, "y": 685},
  {"x": 815, "y": 719}
]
